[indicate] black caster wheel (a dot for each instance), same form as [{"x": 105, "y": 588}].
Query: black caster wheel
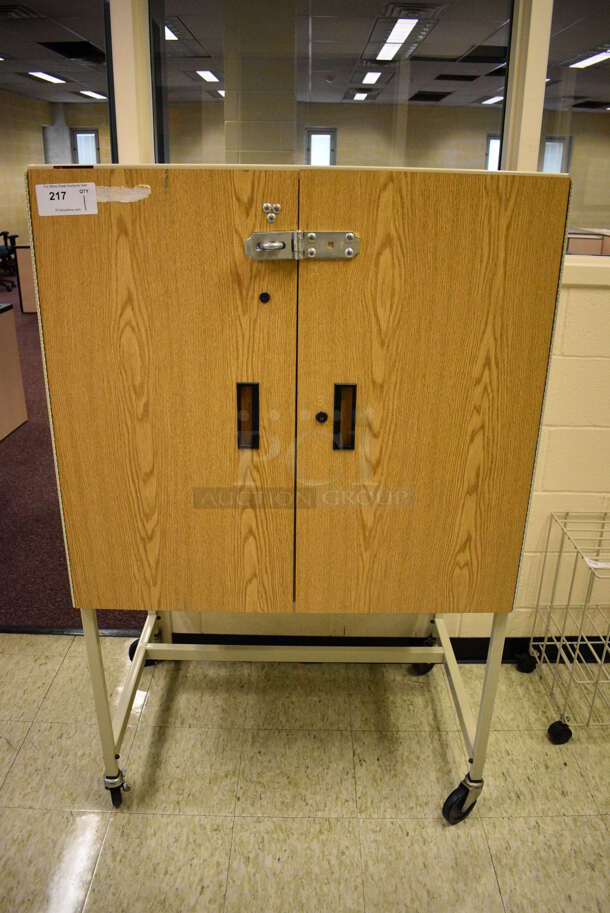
[
  {"x": 452, "y": 809},
  {"x": 559, "y": 732},
  {"x": 116, "y": 794},
  {"x": 422, "y": 668},
  {"x": 525, "y": 662},
  {"x": 133, "y": 646}
]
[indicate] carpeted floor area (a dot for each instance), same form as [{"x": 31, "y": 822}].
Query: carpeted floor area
[{"x": 34, "y": 589}]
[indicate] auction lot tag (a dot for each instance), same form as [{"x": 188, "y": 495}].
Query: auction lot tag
[{"x": 66, "y": 199}]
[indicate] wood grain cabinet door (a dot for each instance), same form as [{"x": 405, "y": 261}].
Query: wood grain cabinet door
[
  {"x": 151, "y": 316},
  {"x": 440, "y": 329}
]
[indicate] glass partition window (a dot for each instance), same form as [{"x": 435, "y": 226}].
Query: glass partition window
[
  {"x": 492, "y": 161},
  {"x": 556, "y": 154},
  {"x": 85, "y": 147},
  {"x": 330, "y": 82},
  {"x": 53, "y": 81},
  {"x": 321, "y": 147},
  {"x": 575, "y": 134}
]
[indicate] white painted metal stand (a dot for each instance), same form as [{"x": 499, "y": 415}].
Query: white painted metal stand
[{"x": 476, "y": 734}]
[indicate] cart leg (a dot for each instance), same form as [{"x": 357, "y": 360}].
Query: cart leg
[
  {"x": 113, "y": 775},
  {"x": 462, "y": 800}
]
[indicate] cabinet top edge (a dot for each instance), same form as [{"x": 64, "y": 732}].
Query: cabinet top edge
[{"x": 289, "y": 168}]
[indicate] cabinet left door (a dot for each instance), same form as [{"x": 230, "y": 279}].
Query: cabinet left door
[{"x": 170, "y": 359}]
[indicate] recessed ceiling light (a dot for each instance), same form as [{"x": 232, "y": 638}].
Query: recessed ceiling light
[
  {"x": 360, "y": 96},
  {"x": 1, "y": 58},
  {"x": 46, "y": 77},
  {"x": 589, "y": 61},
  {"x": 396, "y": 38},
  {"x": 169, "y": 35},
  {"x": 493, "y": 100},
  {"x": 92, "y": 94},
  {"x": 207, "y": 75},
  {"x": 371, "y": 78},
  {"x": 221, "y": 92}
]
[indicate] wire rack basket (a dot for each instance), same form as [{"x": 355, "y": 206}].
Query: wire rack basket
[{"x": 571, "y": 627}]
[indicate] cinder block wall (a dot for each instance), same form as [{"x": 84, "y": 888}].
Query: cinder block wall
[
  {"x": 21, "y": 143},
  {"x": 573, "y": 465}
]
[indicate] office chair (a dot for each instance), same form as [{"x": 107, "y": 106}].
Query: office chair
[{"x": 8, "y": 261}]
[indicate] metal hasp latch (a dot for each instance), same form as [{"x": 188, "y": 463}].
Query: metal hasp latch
[{"x": 302, "y": 245}]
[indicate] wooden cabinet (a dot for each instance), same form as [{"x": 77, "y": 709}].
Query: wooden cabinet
[{"x": 165, "y": 345}]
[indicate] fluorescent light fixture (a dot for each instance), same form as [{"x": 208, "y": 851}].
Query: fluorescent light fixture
[
  {"x": 46, "y": 77},
  {"x": 360, "y": 96},
  {"x": 91, "y": 94},
  {"x": 207, "y": 75},
  {"x": 396, "y": 38},
  {"x": 371, "y": 78},
  {"x": 221, "y": 92},
  {"x": 589, "y": 61},
  {"x": 493, "y": 100},
  {"x": 169, "y": 35}
]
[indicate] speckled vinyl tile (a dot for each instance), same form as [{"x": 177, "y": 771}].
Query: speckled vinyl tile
[
  {"x": 183, "y": 770},
  {"x": 200, "y": 694},
  {"x": 59, "y": 765},
  {"x": 591, "y": 748},
  {"x": 28, "y": 665},
  {"x": 70, "y": 697},
  {"x": 298, "y": 696},
  {"x": 427, "y": 867},
  {"x": 406, "y": 774},
  {"x": 391, "y": 697},
  {"x": 525, "y": 775},
  {"x": 12, "y": 734},
  {"x": 47, "y": 858},
  {"x": 559, "y": 864},
  {"x": 297, "y": 773},
  {"x": 162, "y": 863},
  {"x": 521, "y": 702},
  {"x": 301, "y": 865}
]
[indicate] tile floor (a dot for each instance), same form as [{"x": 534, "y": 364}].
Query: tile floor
[{"x": 298, "y": 788}]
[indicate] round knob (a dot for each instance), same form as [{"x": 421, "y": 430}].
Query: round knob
[
  {"x": 264, "y": 297},
  {"x": 321, "y": 417}
]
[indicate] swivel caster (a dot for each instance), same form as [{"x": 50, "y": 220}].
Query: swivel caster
[
  {"x": 453, "y": 809},
  {"x": 116, "y": 786},
  {"x": 133, "y": 646},
  {"x": 422, "y": 668},
  {"x": 559, "y": 732},
  {"x": 525, "y": 662}
]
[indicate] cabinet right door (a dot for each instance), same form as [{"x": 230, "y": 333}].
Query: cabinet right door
[{"x": 428, "y": 353}]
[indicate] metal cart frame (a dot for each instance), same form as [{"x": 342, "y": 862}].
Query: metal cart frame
[{"x": 112, "y": 728}]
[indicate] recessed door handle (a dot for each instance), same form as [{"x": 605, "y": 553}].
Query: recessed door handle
[{"x": 344, "y": 423}]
